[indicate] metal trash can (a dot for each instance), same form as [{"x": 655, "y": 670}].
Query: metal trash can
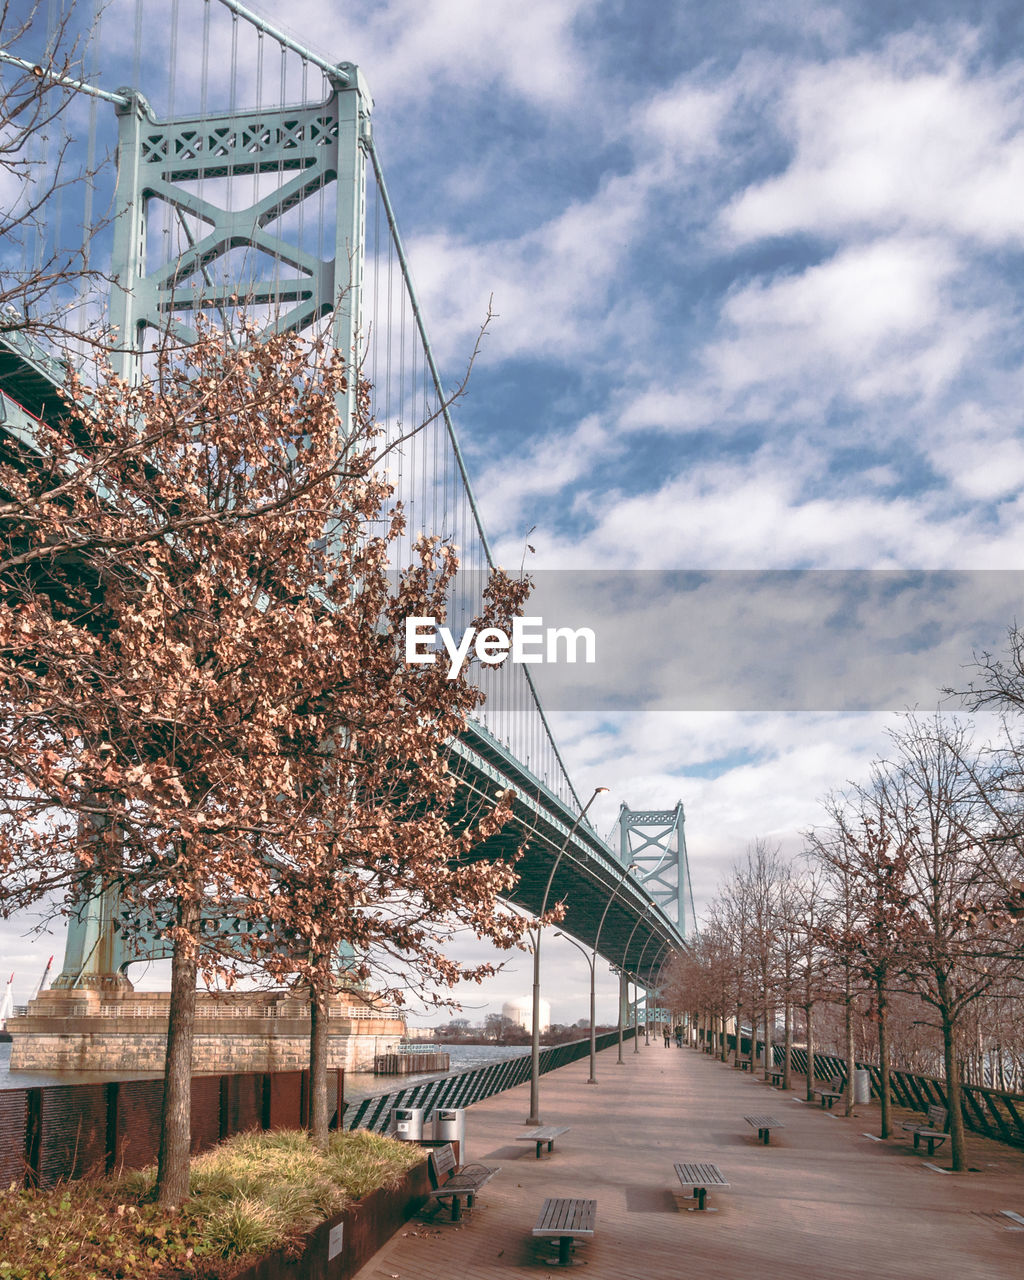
[
  {"x": 407, "y": 1123},
  {"x": 450, "y": 1126},
  {"x": 861, "y": 1086}
]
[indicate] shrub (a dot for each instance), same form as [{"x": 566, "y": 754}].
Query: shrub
[{"x": 253, "y": 1193}]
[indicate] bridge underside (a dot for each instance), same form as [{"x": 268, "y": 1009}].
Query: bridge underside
[{"x": 636, "y": 933}]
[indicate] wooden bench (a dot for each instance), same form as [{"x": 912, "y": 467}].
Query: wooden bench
[
  {"x": 546, "y": 1133},
  {"x": 566, "y": 1220},
  {"x": 456, "y": 1183},
  {"x": 777, "y": 1078},
  {"x": 934, "y": 1131},
  {"x": 743, "y": 1063},
  {"x": 700, "y": 1176},
  {"x": 829, "y": 1091},
  {"x": 764, "y": 1126}
]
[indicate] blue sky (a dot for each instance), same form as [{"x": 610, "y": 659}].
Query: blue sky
[{"x": 755, "y": 271}]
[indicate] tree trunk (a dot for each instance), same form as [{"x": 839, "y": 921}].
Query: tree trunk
[
  {"x": 176, "y": 1123},
  {"x": 809, "y": 1014},
  {"x": 883, "y": 1053},
  {"x": 319, "y": 1031},
  {"x": 769, "y": 1041},
  {"x": 787, "y": 1051},
  {"x": 851, "y": 1053},
  {"x": 739, "y": 1037},
  {"x": 956, "y": 1115}
]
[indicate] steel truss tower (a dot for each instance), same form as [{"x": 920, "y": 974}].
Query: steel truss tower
[
  {"x": 654, "y": 841},
  {"x": 288, "y": 156},
  {"x": 190, "y": 164}
]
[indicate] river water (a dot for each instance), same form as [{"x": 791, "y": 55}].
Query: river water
[{"x": 358, "y": 1084}]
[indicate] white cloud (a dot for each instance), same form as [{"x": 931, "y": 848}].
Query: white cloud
[
  {"x": 410, "y": 48},
  {"x": 905, "y": 139},
  {"x": 755, "y": 514},
  {"x": 686, "y": 120},
  {"x": 873, "y": 322},
  {"x": 980, "y": 452},
  {"x": 552, "y": 287},
  {"x": 550, "y": 464}
]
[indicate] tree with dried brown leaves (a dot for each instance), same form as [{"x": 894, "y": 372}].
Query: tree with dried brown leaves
[{"x": 203, "y": 692}]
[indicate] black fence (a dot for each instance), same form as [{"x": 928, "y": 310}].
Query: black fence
[
  {"x": 466, "y": 1087},
  {"x": 990, "y": 1112}
]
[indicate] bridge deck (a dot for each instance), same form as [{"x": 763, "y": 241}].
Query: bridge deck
[{"x": 822, "y": 1200}]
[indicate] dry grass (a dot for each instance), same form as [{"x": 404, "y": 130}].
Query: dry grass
[{"x": 254, "y": 1193}]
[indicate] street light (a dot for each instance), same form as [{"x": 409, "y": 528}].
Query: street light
[
  {"x": 662, "y": 960},
  {"x": 657, "y": 963},
  {"x": 647, "y": 1001},
  {"x": 623, "y": 983},
  {"x": 592, "y": 961},
  {"x": 534, "y": 1117}
]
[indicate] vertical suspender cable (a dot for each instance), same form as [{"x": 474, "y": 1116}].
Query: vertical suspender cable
[
  {"x": 90, "y": 151},
  {"x": 449, "y": 426},
  {"x": 137, "y": 51},
  {"x": 204, "y": 83},
  {"x": 232, "y": 100}
]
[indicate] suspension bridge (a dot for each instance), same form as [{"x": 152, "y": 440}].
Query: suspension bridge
[{"x": 244, "y": 167}]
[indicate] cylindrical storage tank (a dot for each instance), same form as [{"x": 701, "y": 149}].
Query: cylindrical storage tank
[
  {"x": 521, "y": 1012},
  {"x": 407, "y": 1123},
  {"x": 861, "y": 1086},
  {"x": 450, "y": 1126}
]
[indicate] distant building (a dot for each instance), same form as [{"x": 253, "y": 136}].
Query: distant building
[{"x": 521, "y": 1012}]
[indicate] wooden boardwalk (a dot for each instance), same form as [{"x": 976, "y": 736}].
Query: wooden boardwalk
[{"x": 822, "y": 1201}]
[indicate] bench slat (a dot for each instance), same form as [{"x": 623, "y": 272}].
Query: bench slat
[
  {"x": 546, "y": 1133},
  {"x": 700, "y": 1175},
  {"x": 764, "y": 1122},
  {"x": 563, "y": 1217}
]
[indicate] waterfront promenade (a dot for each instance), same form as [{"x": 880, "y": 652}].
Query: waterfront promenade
[{"x": 822, "y": 1201}]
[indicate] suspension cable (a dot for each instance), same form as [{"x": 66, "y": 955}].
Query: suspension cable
[{"x": 261, "y": 24}]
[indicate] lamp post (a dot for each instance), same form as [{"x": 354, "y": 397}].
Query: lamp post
[
  {"x": 662, "y": 960},
  {"x": 636, "y": 993},
  {"x": 623, "y": 983},
  {"x": 592, "y": 961},
  {"x": 534, "y": 1117},
  {"x": 622, "y": 1001},
  {"x": 659, "y": 964}
]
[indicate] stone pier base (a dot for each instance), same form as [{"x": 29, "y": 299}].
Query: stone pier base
[{"x": 243, "y": 1031}]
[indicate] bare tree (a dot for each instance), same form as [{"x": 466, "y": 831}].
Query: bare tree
[
  {"x": 936, "y": 813},
  {"x": 808, "y": 913},
  {"x": 760, "y": 877},
  {"x": 868, "y": 865}
]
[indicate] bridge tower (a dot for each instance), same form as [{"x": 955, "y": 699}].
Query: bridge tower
[
  {"x": 270, "y": 162},
  {"x": 654, "y": 841},
  {"x": 206, "y": 208}
]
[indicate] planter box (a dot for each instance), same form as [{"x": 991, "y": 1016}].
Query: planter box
[{"x": 339, "y": 1246}]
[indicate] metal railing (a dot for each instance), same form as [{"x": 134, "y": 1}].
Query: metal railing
[
  {"x": 463, "y": 1088},
  {"x": 990, "y": 1112}
]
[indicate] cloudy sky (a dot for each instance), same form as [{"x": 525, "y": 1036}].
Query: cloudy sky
[{"x": 755, "y": 273}]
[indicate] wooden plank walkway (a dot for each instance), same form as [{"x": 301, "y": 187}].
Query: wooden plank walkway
[{"x": 823, "y": 1200}]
